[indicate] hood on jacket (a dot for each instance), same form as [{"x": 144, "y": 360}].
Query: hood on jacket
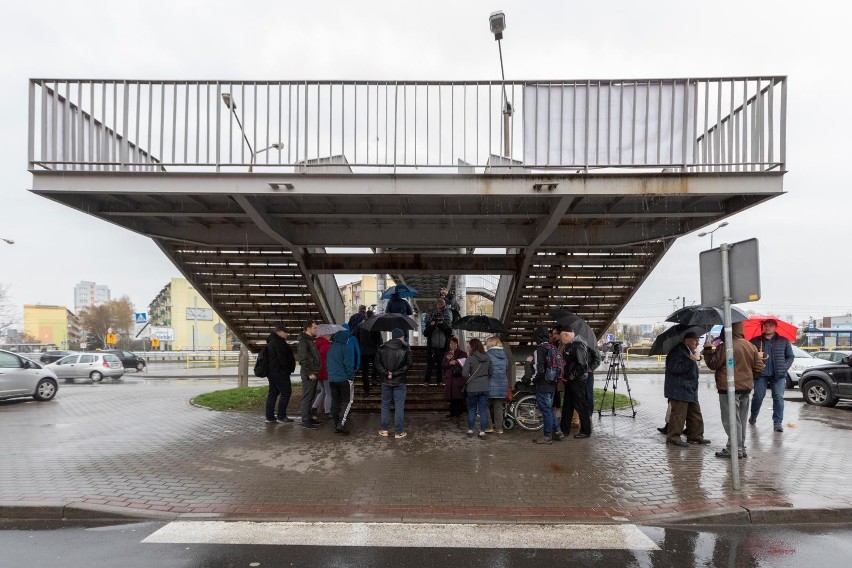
[
  {"x": 541, "y": 334},
  {"x": 497, "y": 352},
  {"x": 483, "y": 357},
  {"x": 341, "y": 337}
]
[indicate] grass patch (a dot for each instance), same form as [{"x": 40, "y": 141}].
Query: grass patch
[
  {"x": 243, "y": 399},
  {"x": 621, "y": 401}
]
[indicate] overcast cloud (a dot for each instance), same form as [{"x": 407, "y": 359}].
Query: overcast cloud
[{"x": 804, "y": 235}]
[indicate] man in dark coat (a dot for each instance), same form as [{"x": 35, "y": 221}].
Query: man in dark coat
[
  {"x": 309, "y": 363},
  {"x": 681, "y": 388},
  {"x": 438, "y": 331},
  {"x": 392, "y": 363},
  {"x": 357, "y": 319},
  {"x": 369, "y": 342},
  {"x": 281, "y": 364},
  {"x": 777, "y": 354},
  {"x": 576, "y": 371}
]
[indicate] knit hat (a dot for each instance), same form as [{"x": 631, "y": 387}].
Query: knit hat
[{"x": 397, "y": 333}]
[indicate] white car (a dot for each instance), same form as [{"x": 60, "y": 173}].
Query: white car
[
  {"x": 803, "y": 360},
  {"x": 22, "y": 377},
  {"x": 834, "y": 356},
  {"x": 94, "y": 366}
]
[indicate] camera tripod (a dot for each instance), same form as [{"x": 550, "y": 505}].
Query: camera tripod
[{"x": 616, "y": 367}]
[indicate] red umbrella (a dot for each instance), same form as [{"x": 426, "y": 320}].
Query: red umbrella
[{"x": 754, "y": 324}]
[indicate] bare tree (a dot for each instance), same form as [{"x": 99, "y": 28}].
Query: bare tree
[{"x": 8, "y": 314}]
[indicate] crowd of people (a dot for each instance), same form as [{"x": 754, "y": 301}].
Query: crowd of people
[
  {"x": 759, "y": 365},
  {"x": 478, "y": 381}
]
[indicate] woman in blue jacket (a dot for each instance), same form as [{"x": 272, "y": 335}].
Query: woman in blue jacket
[{"x": 498, "y": 382}]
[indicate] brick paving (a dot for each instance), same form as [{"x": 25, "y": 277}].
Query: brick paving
[{"x": 140, "y": 445}]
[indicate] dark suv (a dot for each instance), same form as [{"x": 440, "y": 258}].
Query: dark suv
[
  {"x": 826, "y": 385},
  {"x": 54, "y": 356},
  {"x": 128, "y": 360}
]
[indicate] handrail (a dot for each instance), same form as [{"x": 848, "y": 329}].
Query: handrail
[{"x": 715, "y": 124}]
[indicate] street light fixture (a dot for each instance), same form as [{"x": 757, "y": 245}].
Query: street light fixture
[
  {"x": 497, "y": 23},
  {"x": 674, "y": 302},
  {"x": 7, "y": 241},
  {"x": 704, "y": 234},
  {"x": 230, "y": 103}
]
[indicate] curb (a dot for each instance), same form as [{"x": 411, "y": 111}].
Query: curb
[{"x": 736, "y": 516}]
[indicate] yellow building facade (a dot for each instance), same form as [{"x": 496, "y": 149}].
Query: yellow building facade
[
  {"x": 361, "y": 292},
  {"x": 47, "y": 324},
  {"x": 175, "y": 307}
]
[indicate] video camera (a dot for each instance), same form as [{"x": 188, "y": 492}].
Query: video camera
[{"x": 617, "y": 347}]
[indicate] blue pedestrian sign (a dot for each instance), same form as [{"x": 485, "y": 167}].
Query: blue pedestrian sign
[
  {"x": 141, "y": 317},
  {"x": 610, "y": 337}
]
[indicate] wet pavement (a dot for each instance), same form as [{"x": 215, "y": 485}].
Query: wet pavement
[{"x": 137, "y": 446}]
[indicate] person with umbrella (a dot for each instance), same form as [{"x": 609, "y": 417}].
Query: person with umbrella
[
  {"x": 747, "y": 364},
  {"x": 681, "y": 389},
  {"x": 397, "y": 305},
  {"x": 777, "y": 355}
]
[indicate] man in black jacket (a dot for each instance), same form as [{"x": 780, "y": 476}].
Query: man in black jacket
[
  {"x": 392, "y": 363},
  {"x": 282, "y": 362},
  {"x": 369, "y": 342},
  {"x": 438, "y": 331},
  {"x": 576, "y": 355},
  {"x": 309, "y": 364}
]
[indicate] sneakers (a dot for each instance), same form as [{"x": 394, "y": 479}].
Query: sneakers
[
  {"x": 678, "y": 442},
  {"x": 284, "y": 420},
  {"x": 726, "y": 453},
  {"x": 341, "y": 430},
  {"x": 400, "y": 435},
  {"x": 469, "y": 434},
  {"x": 498, "y": 431},
  {"x": 663, "y": 430},
  {"x": 752, "y": 420},
  {"x": 268, "y": 421},
  {"x": 558, "y": 436},
  {"x": 384, "y": 433},
  {"x": 309, "y": 426},
  {"x": 779, "y": 428},
  {"x": 482, "y": 435},
  {"x": 489, "y": 431},
  {"x": 700, "y": 441},
  {"x": 582, "y": 435},
  {"x": 543, "y": 440}
]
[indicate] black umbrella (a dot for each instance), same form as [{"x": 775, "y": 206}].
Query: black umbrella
[
  {"x": 389, "y": 322},
  {"x": 578, "y": 324},
  {"x": 705, "y": 315},
  {"x": 481, "y": 323},
  {"x": 666, "y": 341}
]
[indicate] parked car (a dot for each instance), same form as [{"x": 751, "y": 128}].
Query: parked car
[
  {"x": 803, "y": 360},
  {"x": 95, "y": 366},
  {"x": 128, "y": 360},
  {"x": 53, "y": 356},
  {"x": 833, "y": 356},
  {"x": 828, "y": 384},
  {"x": 24, "y": 377}
]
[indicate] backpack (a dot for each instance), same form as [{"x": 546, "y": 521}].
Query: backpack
[
  {"x": 594, "y": 357},
  {"x": 261, "y": 366},
  {"x": 555, "y": 365}
]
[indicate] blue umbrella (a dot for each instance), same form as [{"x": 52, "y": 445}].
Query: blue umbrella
[{"x": 404, "y": 291}]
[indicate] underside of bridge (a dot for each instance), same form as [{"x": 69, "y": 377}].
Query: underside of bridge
[{"x": 264, "y": 250}]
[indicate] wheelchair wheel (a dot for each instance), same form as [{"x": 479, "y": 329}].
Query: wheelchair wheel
[
  {"x": 508, "y": 423},
  {"x": 527, "y": 413}
]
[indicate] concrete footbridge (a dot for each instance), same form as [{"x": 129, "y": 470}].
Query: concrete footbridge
[{"x": 261, "y": 192}]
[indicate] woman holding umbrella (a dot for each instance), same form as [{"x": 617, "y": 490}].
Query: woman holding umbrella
[{"x": 453, "y": 381}]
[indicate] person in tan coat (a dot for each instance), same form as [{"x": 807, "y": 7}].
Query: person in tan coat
[{"x": 747, "y": 366}]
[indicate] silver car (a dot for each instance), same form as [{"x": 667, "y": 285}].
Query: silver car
[
  {"x": 22, "y": 377},
  {"x": 94, "y": 366}
]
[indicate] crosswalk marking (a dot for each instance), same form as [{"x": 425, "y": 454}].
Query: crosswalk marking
[{"x": 406, "y": 535}]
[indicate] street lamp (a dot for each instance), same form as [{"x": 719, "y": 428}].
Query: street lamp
[
  {"x": 230, "y": 103},
  {"x": 7, "y": 241},
  {"x": 497, "y": 22},
  {"x": 674, "y": 302},
  {"x": 722, "y": 224}
]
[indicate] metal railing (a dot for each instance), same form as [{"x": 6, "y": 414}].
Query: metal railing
[{"x": 708, "y": 124}]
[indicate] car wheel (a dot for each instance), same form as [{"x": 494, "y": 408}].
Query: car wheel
[
  {"x": 817, "y": 392},
  {"x": 96, "y": 376},
  {"x": 139, "y": 366},
  {"x": 45, "y": 390}
]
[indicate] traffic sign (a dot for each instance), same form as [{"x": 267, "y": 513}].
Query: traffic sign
[
  {"x": 218, "y": 329},
  {"x": 610, "y": 337},
  {"x": 141, "y": 317},
  {"x": 111, "y": 339}
]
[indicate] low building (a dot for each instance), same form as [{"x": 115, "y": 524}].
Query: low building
[
  {"x": 55, "y": 325},
  {"x": 181, "y": 312}
]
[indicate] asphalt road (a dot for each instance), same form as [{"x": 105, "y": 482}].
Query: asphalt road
[{"x": 122, "y": 545}]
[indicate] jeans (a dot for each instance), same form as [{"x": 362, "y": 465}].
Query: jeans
[
  {"x": 323, "y": 396},
  {"x": 545, "y": 405},
  {"x": 279, "y": 385},
  {"x": 395, "y": 393},
  {"x": 309, "y": 389},
  {"x": 741, "y": 402},
  {"x": 477, "y": 402},
  {"x": 778, "y": 386}
]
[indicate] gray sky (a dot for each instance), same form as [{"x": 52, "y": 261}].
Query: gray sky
[{"x": 804, "y": 235}]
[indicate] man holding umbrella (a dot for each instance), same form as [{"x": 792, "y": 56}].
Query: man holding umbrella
[
  {"x": 681, "y": 388},
  {"x": 777, "y": 356}
]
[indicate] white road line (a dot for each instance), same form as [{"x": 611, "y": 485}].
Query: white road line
[{"x": 406, "y": 535}]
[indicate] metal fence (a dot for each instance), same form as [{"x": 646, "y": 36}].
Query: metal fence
[{"x": 710, "y": 124}]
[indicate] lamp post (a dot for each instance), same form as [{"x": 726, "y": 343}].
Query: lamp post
[
  {"x": 229, "y": 102},
  {"x": 497, "y": 22},
  {"x": 674, "y": 302},
  {"x": 704, "y": 234}
]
